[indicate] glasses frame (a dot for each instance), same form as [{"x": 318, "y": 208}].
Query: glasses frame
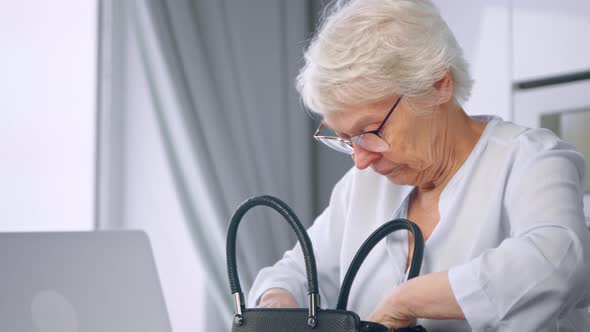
[{"x": 348, "y": 142}]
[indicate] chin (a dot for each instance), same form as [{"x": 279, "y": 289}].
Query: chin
[
  {"x": 400, "y": 181},
  {"x": 402, "y": 178}
]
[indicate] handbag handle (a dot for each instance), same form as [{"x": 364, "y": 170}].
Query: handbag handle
[
  {"x": 306, "y": 247},
  {"x": 370, "y": 243}
]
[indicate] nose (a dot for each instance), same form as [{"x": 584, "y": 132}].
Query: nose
[{"x": 363, "y": 158}]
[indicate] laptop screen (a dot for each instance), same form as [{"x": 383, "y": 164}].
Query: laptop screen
[{"x": 80, "y": 281}]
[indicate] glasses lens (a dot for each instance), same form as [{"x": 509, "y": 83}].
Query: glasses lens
[
  {"x": 336, "y": 144},
  {"x": 371, "y": 142}
]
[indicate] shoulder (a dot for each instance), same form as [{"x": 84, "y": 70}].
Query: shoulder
[
  {"x": 524, "y": 144},
  {"x": 532, "y": 147},
  {"x": 535, "y": 154}
]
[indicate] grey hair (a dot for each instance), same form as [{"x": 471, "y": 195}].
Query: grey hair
[{"x": 366, "y": 50}]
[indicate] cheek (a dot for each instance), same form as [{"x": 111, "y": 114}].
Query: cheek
[
  {"x": 409, "y": 158},
  {"x": 405, "y": 176},
  {"x": 411, "y": 146}
]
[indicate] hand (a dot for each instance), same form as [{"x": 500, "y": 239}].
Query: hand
[
  {"x": 277, "y": 298},
  {"x": 392, "y": 313}
]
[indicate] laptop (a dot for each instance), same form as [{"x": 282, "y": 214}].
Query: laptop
[{"x": 104, "y": 281}]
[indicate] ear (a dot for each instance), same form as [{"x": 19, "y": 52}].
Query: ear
[{"x": 444, "y": 88}]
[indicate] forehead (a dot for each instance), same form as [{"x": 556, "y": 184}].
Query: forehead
[{"x": 352, "y": 119}]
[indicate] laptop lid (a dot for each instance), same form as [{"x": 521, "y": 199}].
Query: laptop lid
[{"x": 80, "y": 282}]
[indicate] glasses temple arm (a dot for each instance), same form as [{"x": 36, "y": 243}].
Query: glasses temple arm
[{"x": 388, "y": 115}]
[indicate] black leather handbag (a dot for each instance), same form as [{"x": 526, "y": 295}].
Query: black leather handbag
[{"x": 313, "y": 318}]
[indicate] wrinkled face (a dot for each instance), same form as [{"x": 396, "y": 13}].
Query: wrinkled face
[{"x": 416, "y": 135}]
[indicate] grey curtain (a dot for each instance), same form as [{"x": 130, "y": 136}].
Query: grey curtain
[{"x": 215, "y": 81}]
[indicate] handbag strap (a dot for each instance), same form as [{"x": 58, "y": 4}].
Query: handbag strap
[
  {"x": 369, "y": 244},
  {"x": 306, "y": 247}
]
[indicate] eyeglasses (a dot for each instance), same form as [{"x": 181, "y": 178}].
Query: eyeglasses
[{"x": 369, "y": 140}]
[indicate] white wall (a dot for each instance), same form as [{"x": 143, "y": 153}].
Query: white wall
[
  {"x": 47, "y": 114},
  {"x": 482, "y": 28},
  {"x": 550, "y": 38}
]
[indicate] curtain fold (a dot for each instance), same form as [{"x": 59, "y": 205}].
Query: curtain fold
[
  {"x": 219, "y": 84},
  {"x": 178, "y": 130}
]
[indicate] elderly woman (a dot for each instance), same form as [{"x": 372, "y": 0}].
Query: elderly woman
[{"x": 500, "y": 205}]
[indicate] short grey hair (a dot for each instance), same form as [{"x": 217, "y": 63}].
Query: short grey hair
[{"x": 366, "y": 50}]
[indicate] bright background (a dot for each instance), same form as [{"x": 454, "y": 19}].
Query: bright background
[{"x": 62, "y": 168}]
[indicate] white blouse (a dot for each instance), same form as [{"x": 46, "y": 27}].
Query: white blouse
[{"x": 512, "y": 236}]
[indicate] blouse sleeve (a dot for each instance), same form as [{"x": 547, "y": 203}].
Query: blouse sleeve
[
  {"x": 541, "y": 271},
  {"x": 326, "y": 237}
]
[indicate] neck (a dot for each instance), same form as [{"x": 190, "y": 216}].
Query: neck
[{"x": 457, "y": 139}]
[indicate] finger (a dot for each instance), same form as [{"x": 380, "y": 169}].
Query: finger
[{"x": 273, "y": 304}]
